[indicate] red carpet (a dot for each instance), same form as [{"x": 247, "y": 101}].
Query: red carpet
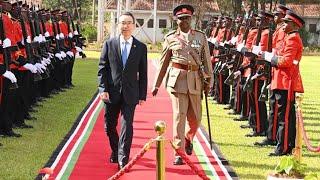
[{"x": 85, "y": 152}]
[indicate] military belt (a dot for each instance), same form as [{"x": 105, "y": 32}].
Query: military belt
[{"x": 189, "y": 67}]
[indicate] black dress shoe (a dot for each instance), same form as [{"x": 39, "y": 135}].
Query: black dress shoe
[
  {"x": 121, "y": 166},
  {"x": 245, "y": 126},
  {"x": 23, "y": 126},
  {"x": 266, "y": 142},
  {"x": 28, "y": 117},
  {"x": 240, "y": 119},
  {"x": 228, "y": 107},
  {"x": 255, "y": 134},
  {"x": 232, "y": 112},
  {"x": 178, "y": 161},
  {"x": 188, "y": 147},
  {"x": 114, "y": 158},
  {"x": 12, "y": 134},
  {"x": 32, "y": 110},
  {"x": 280, "y": 153}
]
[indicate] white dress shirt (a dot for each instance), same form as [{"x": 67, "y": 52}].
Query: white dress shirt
[{"x": 122, "y": 43}]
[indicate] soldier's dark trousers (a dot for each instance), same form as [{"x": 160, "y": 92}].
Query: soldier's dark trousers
[
  {"x": 245, "y": 107},
  {"x": 273, "y": 122},
  {"x": 237, "y": 97},
  {"x": 258, "y": 109},
  {"x": 6, "y": 107},
  {"x": 287, "y": 122}
]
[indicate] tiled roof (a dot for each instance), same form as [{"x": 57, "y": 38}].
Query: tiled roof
[
  {"x": 163, "y": 5},
  {"x": 306, "y": 10}
]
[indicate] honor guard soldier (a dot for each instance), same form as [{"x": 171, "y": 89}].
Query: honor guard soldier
[
  {"x": 186, "y": 58},
  {"x": 277, "y": 44},
  {"x": 286, "y": 81},
  {"x": 7, "y": 76}
]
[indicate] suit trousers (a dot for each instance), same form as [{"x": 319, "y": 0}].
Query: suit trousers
[
  {"x": 120, "y": 145},
  {"x": 185, "y": 107}
]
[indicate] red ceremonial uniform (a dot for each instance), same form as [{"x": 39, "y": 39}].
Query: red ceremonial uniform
[
  {"x": 287, "y": 65},
  {"x": 49, "y": 28},
  {"x": 277, "y": 40},
  {"x": 251, "y": 35}
]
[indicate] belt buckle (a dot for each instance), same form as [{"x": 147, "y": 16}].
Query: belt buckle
[{"x": 189, "y": 67}]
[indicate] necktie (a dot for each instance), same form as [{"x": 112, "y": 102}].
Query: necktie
[{"x": 124, "y": 55}]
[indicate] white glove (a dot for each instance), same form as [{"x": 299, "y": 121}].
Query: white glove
[
  {"x": 50, "y": 55},
  {"x": 221, "y": 43},
  {"x": 256, "y": 50},
  {"x": 9, "y": 75},
  {"x": 28, "y": 39},
  {"x": 213, "y": 40},
  {"x": 47, "y": 60},
  {"x": 78, "y": 49},
  {"x": 63, "y": 54},
  {"x": 44, "y": 63},
  {"x": 36, "y": 39},
  {"x": 236, "y": 74},
  {"x": 61, "y": 35},
  {"x": 57, "y": 37},
  {"x": 30, "y": 67},
  {"x": 58, "y": 55},
  {"x": 268, "y": 56},
  {"x": 70, "y": 35},
  {"x": 234, "y": 40},
  {"x": 240, "y": 46},
  {"x": 22, "y": 41},
  {"x": 46, "y": 34},
  {"x": 40, "y": 66},
  {"x": 75, "y": 33},
  {"x": 6, "y": 43},
  {"x": 69, "y": 53},
  {"x": 41, "y": 37}
]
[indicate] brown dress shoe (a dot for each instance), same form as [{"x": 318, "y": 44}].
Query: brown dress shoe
[{"x": 188, "y": 147}]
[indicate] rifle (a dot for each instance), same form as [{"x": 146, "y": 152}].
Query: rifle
[
  {"x": 79, "y": 39},
  {"x": 6, "y": 51},
  {"x": 56, "y": 38},
  {"x": 267, "y": 66},
  {"x": 249, "y": 83},
  {"x": 36, "y": 56},
  {"x": 70, "y": 40},
  {"x": 28, "y": 46},
  {"x": 238, "y": 56}
]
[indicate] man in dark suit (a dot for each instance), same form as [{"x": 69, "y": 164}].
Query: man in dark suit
[{"x": 122, "y": 78}]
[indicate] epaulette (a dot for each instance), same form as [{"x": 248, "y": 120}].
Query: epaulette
[
  {"x": 170, "y": 33},
  {"x": 199, "y": 31}
]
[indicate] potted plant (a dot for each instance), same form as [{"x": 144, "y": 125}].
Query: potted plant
[{"x": 290, "y": 168}]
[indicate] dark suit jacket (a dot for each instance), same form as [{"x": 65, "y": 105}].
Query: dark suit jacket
[{"x": 129, "y": 82}]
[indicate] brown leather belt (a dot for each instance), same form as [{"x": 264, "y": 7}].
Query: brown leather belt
[{"x": 185, "y": 67}]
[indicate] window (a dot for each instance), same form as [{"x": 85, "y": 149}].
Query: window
[
  {"x": 150, "y": 23},
  {"x": 140, "y": 22},
  {"x": 162, "y": 23},
  {"x": 312, "y": 28}
]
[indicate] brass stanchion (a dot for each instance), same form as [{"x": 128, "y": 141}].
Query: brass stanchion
[
  {"x": 160, "y": 127},
  {"x": 298, "y": 149}
]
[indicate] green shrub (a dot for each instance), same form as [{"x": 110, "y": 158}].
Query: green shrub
[{"x": 89, "y": 31}]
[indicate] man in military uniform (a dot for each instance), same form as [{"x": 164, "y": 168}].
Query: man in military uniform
[
  {"x": 286, "y": 81},
  {"x": 186, "y": 58},
  {"x": 277, "y": 44}
]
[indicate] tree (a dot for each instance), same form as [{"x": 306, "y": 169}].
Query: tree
[{"x": 77, "y": 8}]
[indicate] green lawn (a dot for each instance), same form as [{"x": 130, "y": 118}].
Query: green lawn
[
  {"x": 251, "y": 162},
  {"x": 21, "y": 158}
]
